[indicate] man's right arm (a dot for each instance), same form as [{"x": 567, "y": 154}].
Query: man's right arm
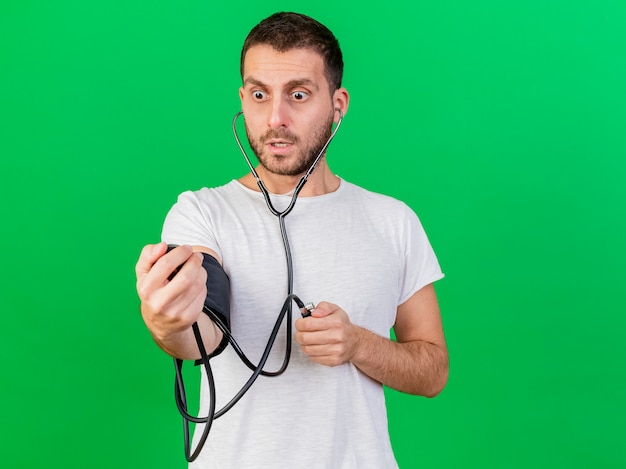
[{"x": 170, "y": 307}]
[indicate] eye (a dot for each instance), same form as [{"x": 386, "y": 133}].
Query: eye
[
  {"x": 259, "y": 95},
  {"x": 299, "y": 95}
]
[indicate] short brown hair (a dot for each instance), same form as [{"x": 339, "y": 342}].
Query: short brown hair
[{"x": 285, "y": 31}]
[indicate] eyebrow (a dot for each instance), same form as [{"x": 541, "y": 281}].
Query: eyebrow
[{"x": 290, "y": 84}]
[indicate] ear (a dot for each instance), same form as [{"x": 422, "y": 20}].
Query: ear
[
  {"x": 341, "y": 99},
  {"x": 241, "y": 94}
]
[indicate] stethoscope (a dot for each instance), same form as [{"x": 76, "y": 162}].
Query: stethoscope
[
  {"x": 266, "y": 195},
  {"x": 303, "y": 179},
  {"x": 257, "y": 370}
]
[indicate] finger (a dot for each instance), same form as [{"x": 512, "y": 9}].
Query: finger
[
  {"x": 180, "y": 265},
  {"x": 317, "y": 350},
  {"x": 300, "y": 325},
  {"x": 180, "y": 307},
  {"x": 321, "y": 337},
  {"x": 171, "y": 263},
  {"x": 185, "y": 279},
  {"x": 324, "y": 355},
  {"x": 176, "y": 303},
  {"x": 149, "y": 255},
  {"x": 157, "y": 275},
  {"x": 310, "y": 324}
]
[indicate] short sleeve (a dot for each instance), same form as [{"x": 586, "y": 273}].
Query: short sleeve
[
  {"x": 421, "y": 265},
  {"x": 188, "y": 222}
]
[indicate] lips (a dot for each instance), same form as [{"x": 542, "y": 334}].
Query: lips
[
  {"x": 278, "y": 146},
  {"x": 279, "y": 143}
]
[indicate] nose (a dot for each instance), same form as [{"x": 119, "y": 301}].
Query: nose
[{"x": 279, "y": 114}]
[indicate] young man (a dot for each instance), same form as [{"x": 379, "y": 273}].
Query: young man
[{"x": 363, "y": 257}]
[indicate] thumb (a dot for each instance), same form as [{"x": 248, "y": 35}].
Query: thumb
[{"x": 322, "y": 310}]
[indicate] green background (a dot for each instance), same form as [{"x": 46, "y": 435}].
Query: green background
[{"x": 501, "y": 123}]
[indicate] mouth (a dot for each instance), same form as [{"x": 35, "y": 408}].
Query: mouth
[
  {"x": 279, "y": 143},
  {"x": 279, "y": 146}
]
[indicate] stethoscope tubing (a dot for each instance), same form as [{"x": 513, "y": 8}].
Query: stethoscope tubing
[
  {"x": 179, "y": 388},
  {"x": 303, "y": 179}
]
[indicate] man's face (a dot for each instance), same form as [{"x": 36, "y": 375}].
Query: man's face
[{"x": 287, "y": 106}]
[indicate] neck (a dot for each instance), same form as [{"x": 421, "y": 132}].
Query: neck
[{"x": 321, "y": 181}]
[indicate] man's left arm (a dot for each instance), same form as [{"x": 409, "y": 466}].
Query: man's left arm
[{"x": 416, "y": 363}]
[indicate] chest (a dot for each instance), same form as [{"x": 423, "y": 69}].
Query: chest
[{"x": 344, "y": 255}]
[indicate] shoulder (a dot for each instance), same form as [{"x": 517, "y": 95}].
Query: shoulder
[
  {"x": 195, "y": 217},
  {"x": 375, "y": 201},
  {"x": 387, "y": 214},
  {"x": 207, "y": 193},
  {"x": 210, "y": 197}
]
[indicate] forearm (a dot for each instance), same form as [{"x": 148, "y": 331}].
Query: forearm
[
  {"x": 416, "y": 367},
  {"x": 183, "y": 344}
]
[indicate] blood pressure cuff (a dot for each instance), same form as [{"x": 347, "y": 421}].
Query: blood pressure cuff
[
  {"x": 218, "y": 296},
  {"x": 217, "y": 301}
]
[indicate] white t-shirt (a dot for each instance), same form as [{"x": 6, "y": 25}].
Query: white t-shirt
[{"x": 365, "y": 252}]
